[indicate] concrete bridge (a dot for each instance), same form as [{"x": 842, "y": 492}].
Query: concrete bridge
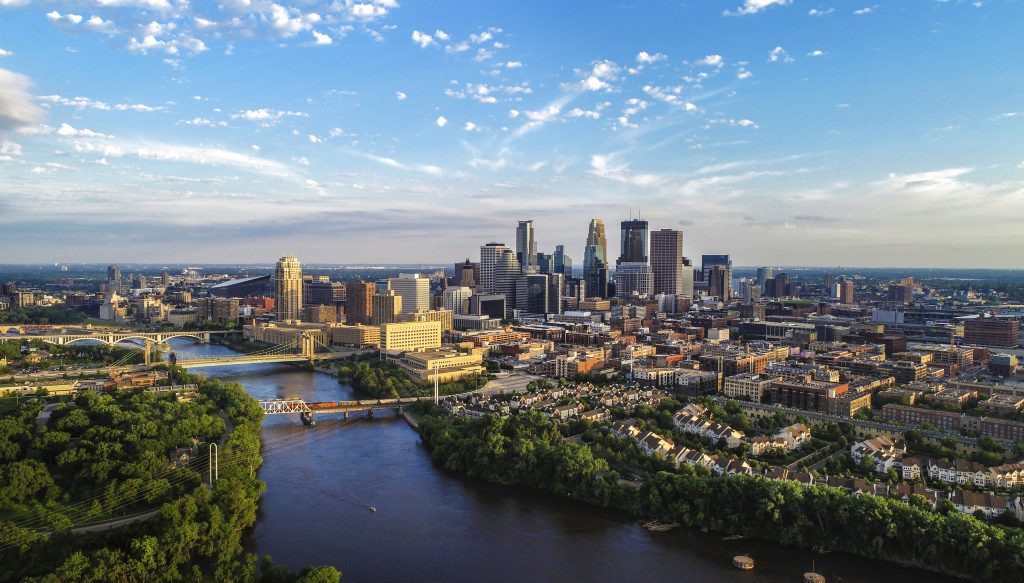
[
  {"x": 255, "y": 359},
  {"x": 113, "y": 337},
  {"x": 308, "y": 411}
]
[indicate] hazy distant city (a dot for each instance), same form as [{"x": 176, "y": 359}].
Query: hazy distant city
[{"x": 375, "y": 291}]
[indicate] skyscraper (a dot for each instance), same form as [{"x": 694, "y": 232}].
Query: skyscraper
[
  {"x": 359, "y": 302},
  {"x": 719, "y": 279},
  {"x": 633, "y": 278},
  {"x": 595, "y": 260},
  {"x": 634, "y": 242},
  {"x": 763, "y": 275},
  {"x": 506, "y": 271},
  {"x": 667, "y": 261},
  {"x": 114, "y": 278},
  {"x": 288, "y": 289},
  {"x": 489, "y": 255},
  {"x": 532, "y": 293},
  {"x": 709, "y": 261},
  {"x": 414, "y": 290},
  {"x": 465, "y": 275},
  {"x": 386, "y": 308},
  {"x": 526, "y": 246},
  {"x": 563, "y": 263}
]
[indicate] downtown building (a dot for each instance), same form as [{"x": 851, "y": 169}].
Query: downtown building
[
  {"x": 288, "y": 289},
  {"x": 633, "y": 275}
]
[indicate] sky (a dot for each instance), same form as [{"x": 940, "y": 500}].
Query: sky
[{"x": 782, "y": 132}]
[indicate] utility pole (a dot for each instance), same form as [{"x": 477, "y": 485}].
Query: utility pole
[
  {"x": 214, "y": 464},
  {"x": 437, "y": 367}
]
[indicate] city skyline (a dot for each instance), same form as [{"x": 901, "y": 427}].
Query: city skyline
[{"x": 384, "y": 132}]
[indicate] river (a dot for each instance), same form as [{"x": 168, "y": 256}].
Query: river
[{"x": 434, "y": 526}]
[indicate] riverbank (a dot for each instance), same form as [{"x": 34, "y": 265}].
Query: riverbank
[{"x": 528, "y": 450}]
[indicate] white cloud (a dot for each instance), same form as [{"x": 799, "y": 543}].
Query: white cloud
[
  {"x": 400, "y": 96},
  {"x": 578, "y": 112},
  {"x": 320, "y": 38},
  {"x": 820, "y": 11},
  {"x": 513, "y": 65},
  {"x": 391, "y": 162},
  {"x": 205, "y": 122},
  {"x": 597, "y": 79},
  {"x": 816, "y": 53},
  {"x": 336, "y": 132},
  {"x": 8, "y": 150},
  {"x": 646, "y": 58},
  {"x": 68, "y": 131},
  {"x": 441, "y": 121},
  {"x": 314, "y": 139},
  {"x": 145, "y": 150},
  {"x": 97, "y": 24},
  {"x": 16, "y": 107},
  {"x": 481, "y": 38},
  {"x": 602, "y": 166},
  {"x": 712, "y": 61},
  {"x": 743, "y": 74},
  {"x": 865, "y": 10},
  {"x": 55, "y": 16},
  {"x": 6, "y": 53},
  {"x": 755, "y": 6},
  {"x": 81, "y": 103},
  {"x": 423, "y": 39},
  {"x": 471, "y": 127},
  {"x": 266, "y": 116},
  {"x": 441, "y": 35},
  {"x": 779, "y": 54}
]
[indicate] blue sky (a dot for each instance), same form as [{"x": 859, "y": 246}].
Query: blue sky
[{"x": 782, "y": 132}]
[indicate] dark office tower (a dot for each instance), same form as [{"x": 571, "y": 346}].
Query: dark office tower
[
  {"x": 782, "y": 286},
  {"x": 556, "y": 289},
  {"x": 709, "y": 261},
  {"x": 545, "y": 263},
  {"x": 830, "y": 283},
  {"x": 595, "y": 274},
  {"x": 719, "y": 280},
  {"x": 466, "y": 275},
  {"x": 532, "y": 294},
  {"x": 667, "y": 262},
  {"x": 526, "y": 246},
  {"x": 563, "y": 263},
  {"x": 114, "y": 278},
  {"x": 165, "y": 279},
  {"x": 595, "y": 260},
  {"x": 359, "y": 302},
  {"x": 763, "y": 275},
  {"x": 9, "y": 289},
  {"x": 634, "y": 242}
]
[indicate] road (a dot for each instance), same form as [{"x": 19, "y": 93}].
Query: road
[
  {"x": 44, "y": 416},
  {"x": 116, "y": 523}
]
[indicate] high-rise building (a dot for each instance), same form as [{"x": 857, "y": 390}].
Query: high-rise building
[
  {"x": 719, "y": 279},
  {"x": 595, "y": 260},
  {"x": 9, "y": 289},
  {"x": 545, "y": 263},
  {"x": 506, "y": 271},
  {"x": 165, "y": 279},
  {"x": 556, "y": 289},
  {"x": 526, "y": 246},
  {"x": 288, "y": 289},
  {"x": 667, "y": 262},
  {"x": 634, "y": 242},
  {"x": 709, "y": 261},
  {"x": 456, "y": 299},
  {"x": 386, "y": 308},
  {"x": 763, "y": 275},
  {"x": 846, "y": 288},
  {"x": 489, "y": 255},
  {"x": 114, "y": 278},
  {"x": 532, "y": 293},
  {"x": 359, "y": 302},
  {"x": 492, "y": 305},
  {"x": 687, "y": 278},
  {"x": 634, "y": 279},
  {"x": 782, "y": 288},
  {"x": 466, "y": 274},
  {"x": 414, "y": 290},
  {"x": 321, "y": 291},
  {"x": 563, "y": 263}
]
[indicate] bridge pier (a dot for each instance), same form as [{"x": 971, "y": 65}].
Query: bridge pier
[
  {"x": 308, "y": 419},
  {"x": 344, "y": 415},
  {"x": 369, "y": 413}
]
